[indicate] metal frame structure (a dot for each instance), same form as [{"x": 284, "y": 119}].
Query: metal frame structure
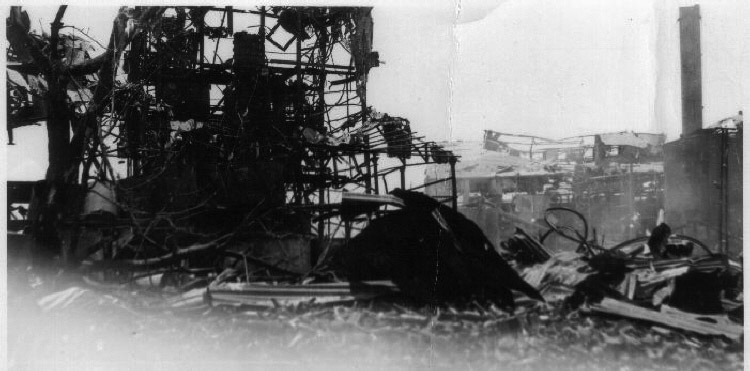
[{"x": 241, "y": 110}]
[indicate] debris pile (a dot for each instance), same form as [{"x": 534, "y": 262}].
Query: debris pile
[
  {"x": 662, "y": 279},
  {"x": 96, "y": 324},
  {"x": 232, "y": 159},
  {"x": 422, "y": 250}
]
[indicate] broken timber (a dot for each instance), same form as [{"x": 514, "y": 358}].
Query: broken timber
[
  {"x": 263, "y": 294},
  {"x": 718, "y": 325}
]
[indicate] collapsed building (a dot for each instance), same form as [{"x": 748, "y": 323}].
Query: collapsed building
[
  {"x": 614, "y": 178},
  {"x": 252, "y": 170},
  {"x": 524, "y": 191},
  {"x": 626, "y": 182},
  {"x": 201, "y": 148}
]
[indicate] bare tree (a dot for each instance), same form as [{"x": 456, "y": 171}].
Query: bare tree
[{"x": 45, "y": 57}]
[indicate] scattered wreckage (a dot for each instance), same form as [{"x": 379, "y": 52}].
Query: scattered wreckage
[
  {"x": 230, "y": 203},
  {"x": 422, "y": 251},
  {"x": 671, "y": 280}
]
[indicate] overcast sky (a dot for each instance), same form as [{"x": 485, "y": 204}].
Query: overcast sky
[
  {"x": 555, "y": 68},
  {"x": 543, "y": 67}
]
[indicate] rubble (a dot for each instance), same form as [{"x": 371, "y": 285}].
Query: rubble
[
  {"x": 654, "y": 281},
  {"x": 433, "y": 254},
  {"x": 670, "y": 317},
  {"x": 383, "y": 334},
  {"x": 525, "y": 250},
  {"x": 226, "y": 207}
]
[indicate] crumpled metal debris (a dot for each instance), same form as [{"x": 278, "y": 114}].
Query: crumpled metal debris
[{"x": 632, "y": 285}]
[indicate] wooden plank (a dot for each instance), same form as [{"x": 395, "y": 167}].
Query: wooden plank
[{"x": 671, "y": 317}]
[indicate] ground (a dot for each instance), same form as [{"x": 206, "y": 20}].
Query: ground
[{"x": 132, "y": 328}]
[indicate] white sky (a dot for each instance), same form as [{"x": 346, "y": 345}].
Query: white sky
[{"x": 542, "y": 67}]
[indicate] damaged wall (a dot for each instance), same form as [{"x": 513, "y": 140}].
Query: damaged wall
[{"x": 693, "y": 195}]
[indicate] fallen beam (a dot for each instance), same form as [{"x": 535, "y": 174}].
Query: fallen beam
[
  {"x": 263, "y": 294},
  {"x": 674, "y": 318}
]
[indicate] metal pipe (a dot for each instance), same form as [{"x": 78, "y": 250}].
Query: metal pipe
[
  {"x": 428, "y": 184},
  {"x": 324, "y": 66},
  {"x": 262, "y": 12}
]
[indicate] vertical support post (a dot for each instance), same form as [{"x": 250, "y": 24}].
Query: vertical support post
[
  {"x": 321, "y": 198},
  {"x": 402, "y": 170},
  {"x": 726, "y": 191},
  {"x": 202, "y": 45},
  {"x": 363, "y": 112},
  {"x": 631, "y": 200},
  {"x": 531, "y": 149},
  {"x": 368, "y": 168},
  {"x": 323, "y": 44},
  {"x": 454, "y": 191},
  {"x": 588, "y": 187},
  {"x": 334, "y": 157},
  {"x": 230, "y": 21},
  {"x": 218, "y": 40},
  {"x": 347, "y": 231},
  {"x": 723, "y": 192},
  {"x": 298, "y": 118},
  {"x": 375, "y": 173}
]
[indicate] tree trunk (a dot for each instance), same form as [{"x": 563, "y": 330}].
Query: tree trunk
[{"x": 58, "y": 132}]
